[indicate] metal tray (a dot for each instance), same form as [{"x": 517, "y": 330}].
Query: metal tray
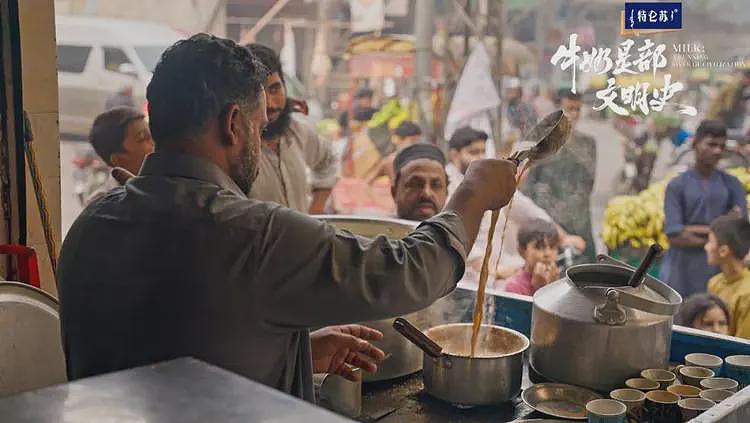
[{"x": 559, "y": 400}]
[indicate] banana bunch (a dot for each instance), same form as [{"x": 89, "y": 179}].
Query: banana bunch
[
  {"x": 638, "y": 220},
  {"x": 392, "y": 114}
]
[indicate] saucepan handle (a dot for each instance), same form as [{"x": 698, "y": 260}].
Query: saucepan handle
[
  {"x": 417, "y": 338},
  {"x": 668, "y": 307}
]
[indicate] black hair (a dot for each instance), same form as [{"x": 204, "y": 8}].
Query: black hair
[
  {"x": 538, "y": 232},
  {"x": 268, "y": 57},
  {"x": 108, "y": 131},
  {"x": 416, "y": 152},
  {"x": 363, "y": 114},
  {"x": 407, "y": 129},
  {"x": 733, "y": 232},
  {"x": 696, "y": 306},
  {"x": 465, "y": 136},
  {"x": 567, "y": 94},
  {"x": 710, "y": 128},
  {"x": 364, "y": 93},
  {"x": 195, "y": 81}
]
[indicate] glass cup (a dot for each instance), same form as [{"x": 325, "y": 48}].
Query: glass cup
[
  {"x": 663, "y": 377},
  {"x": 720, "y": 383},
  {"x": 716, "y": 395},
  {"x": 661, "y": 407},
  {"x": 708, "y": 361},
  {"x": 691, "y": 408},
  {"x": 632, "y": 398},
  {"x": 693, "y": 375},
  {"x": 685, "y": 391},
  {"x": 738, "y": 368},
  {"x": 606, "y": 411}
]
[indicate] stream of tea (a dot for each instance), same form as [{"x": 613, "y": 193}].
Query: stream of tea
[{"x": 484, "y": 273}]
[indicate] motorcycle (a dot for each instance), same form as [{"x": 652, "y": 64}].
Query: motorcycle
[{"x": 89, "y": 174}]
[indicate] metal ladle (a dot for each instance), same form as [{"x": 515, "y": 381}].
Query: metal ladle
[{"x": 545, "y": 139}]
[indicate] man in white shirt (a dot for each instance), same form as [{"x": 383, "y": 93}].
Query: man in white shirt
[{"x": 298, "y": 169}]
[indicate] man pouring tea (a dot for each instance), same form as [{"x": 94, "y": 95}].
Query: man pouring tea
[{"x": 180, "y": 262}]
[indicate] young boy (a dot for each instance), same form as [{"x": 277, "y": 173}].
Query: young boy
[
  {"x": 538, "y": 242},
  {"x": 122, "y": 138},
  {"x": 727, "y": 246}
]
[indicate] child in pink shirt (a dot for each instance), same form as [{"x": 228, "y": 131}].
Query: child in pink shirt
[{"x": 538, "y": 243}]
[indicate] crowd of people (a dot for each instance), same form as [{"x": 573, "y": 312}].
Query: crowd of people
[{"x": 295, "y": 168}]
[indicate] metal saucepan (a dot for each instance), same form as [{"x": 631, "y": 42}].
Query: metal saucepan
[{"x": 492, "y": 377}]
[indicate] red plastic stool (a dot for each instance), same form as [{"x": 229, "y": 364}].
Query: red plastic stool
[{"x": 28, "y": 267}]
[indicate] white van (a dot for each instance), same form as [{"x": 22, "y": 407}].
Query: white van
[{"x": 99, "y": 57}]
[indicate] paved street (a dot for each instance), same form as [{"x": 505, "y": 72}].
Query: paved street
[{"x": 609, "y": 161}]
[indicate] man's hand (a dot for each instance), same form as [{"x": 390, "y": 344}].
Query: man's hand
[
  {"x": 299, "y": 106},
  {"x": 121, "y": 175},
  {"x": 339, "y": 349},
  {"x": 491, "y": 181},
  {"x": 488, "y": 184},
  {"x": 544, "y": 273}
]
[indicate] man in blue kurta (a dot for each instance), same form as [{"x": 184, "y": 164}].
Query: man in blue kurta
[{"x": 692, "y": 201}]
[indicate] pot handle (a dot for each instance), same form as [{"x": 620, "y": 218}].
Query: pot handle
[
  {"x": 668, "y": 307},
  {"x": 410, "y": 332}
]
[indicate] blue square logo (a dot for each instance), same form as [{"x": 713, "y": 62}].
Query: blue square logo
[{"x": 653, "y": 15}]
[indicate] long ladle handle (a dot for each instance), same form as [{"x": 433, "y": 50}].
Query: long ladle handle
[
  {"x": 637, "y": 278},
  {"x": 417, "y": 338}
]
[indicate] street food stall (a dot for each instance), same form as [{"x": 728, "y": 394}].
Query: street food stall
[
  {"x": 588, "y": 333},
  {"x": 575, "y": 340}
]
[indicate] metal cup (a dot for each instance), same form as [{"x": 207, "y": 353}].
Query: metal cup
[
  {"x": 693, "y": 375},
  {"x": 606, "y": 411},
  {"x": 338, "y": 394},
  {"x": 693, "y": 407},
  {"x": 663, "y": 377},
  {"x": 738, "y": 368}
]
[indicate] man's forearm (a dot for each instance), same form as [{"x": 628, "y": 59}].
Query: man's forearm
[
  {"x": 464, "y": 204},
  {"x": 319, "y": 198},
  {"x": 690, "y": 237}
]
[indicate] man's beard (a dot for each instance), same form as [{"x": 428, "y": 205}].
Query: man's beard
[
  {"x": 244, "y": 170},
  {"x": 274, "y": 129},
  {"x": 413, "y": 212}
]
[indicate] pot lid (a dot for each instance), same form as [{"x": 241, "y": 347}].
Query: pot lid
[{"x": 610, "y": 277}]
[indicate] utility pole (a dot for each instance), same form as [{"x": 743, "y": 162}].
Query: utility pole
[
  {"x": 498, "y": 74},
  {"x": 424, "y": 27},
  {"x": 541, "y": 38}
]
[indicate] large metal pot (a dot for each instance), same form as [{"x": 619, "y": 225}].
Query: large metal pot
[
  {"x": 450, "y": 374},
  {"x": 405, "y": 358},
  {"x": 593, "y": 329}
]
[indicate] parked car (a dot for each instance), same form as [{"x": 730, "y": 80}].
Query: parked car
[{"x": 99, "y": 57}]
